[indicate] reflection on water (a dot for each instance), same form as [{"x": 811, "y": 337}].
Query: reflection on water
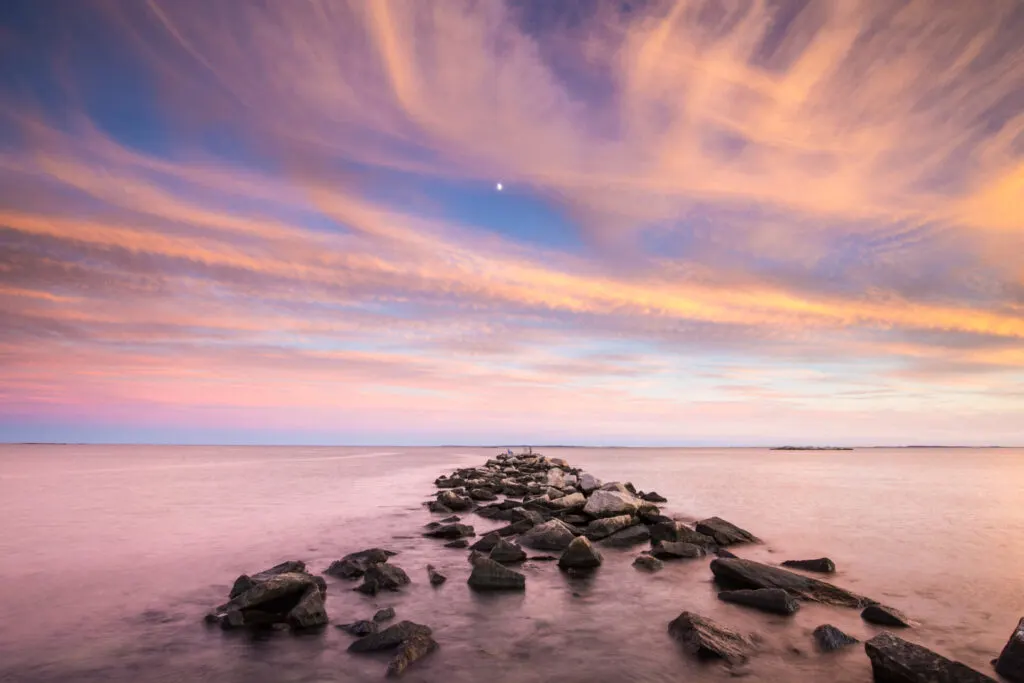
[{"x": 109, "y": 556}]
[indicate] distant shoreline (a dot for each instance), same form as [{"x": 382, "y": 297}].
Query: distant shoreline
[{"x": 498, "y": 446}]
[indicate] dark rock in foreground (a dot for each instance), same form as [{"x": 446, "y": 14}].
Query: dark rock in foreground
[
  {"x": 894, "y": 660},
  {"x": 292, "y": 598},
  {"x": 245, "y": 582},
  {"x": 353, "y": 565},
  {"x": 654, "y": 497},
  {"x": 1011, "y": 660},
  {"x": 490, "y": 575},
  {"x": 436, "y": 577},
  {"x": 415, "y": 648},
  {"x": 829, "y": 638},
  {"x": 390, "y": 637},
  {"x": 822, "y": 565},
  {"x": 580, "y": 555},
  {"x": 706, "y": 639},
  {"x": 724, "y": 533},
  {"x": 648, "y": 563},
  {"x": 384, "y": 614},
  {"x": 750, "y": 574},
  {"x": 668, "y": 550},
  {"x": 885, "y": 616},
  {"x": 629, "y": 536},
  {"x": 773, "y": 600},
  {"x": 380, "y": 577},
  {"x": 507, "y": 553},
  {"x": 451, "y": 531},
  {"x": 360, "y": 628}
]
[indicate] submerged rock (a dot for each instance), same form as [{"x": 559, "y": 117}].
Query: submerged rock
[
  {"x": 654, "y": 497},
  {"x": 436, "y": 577},
  {"x": 457, "y": 543},
  {"x": 486, "y": 543},
  {"x": 885, "y": 616},
  {"x": 750, "y": 574},
  {"x": 604, "y": 503},
  {"x": 451, "y": 531},
  {"x": 384, "y": 614},
  {"x": 629, "y": 536},
  {"x": 822, "y": 565},
  {"x": 360, "y": 628},
  {"x": 724, "y": 533},
  {"x": 451, "y": 520},
  {"x": 894, "y": 660},
  {"x": 705, "y": 638},
  {"x": 773, "y": 600},
  {"x": 438, "y": 508},
  {"x": 551, "y": 535},
  {"x": 490, "y": 575},
  {"x": 602, "y": 528},
  {"x": 668, "y": 550},
  {"x": 380, "y": 577},
  {"x": 648, "y": 563},
  {"x": 580, "y": 555},
  {"x": 353, "y": 565},
  {"x": 392, "y": 636},
  {"x": 542, "y": 558},
  {"x": 1010, "y": 663},
  {"x": 829, "y": 638},
  {"x": 507, "y": 553},
  {"x": 415, "y": 648}
]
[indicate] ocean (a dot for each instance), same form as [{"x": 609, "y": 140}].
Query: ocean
[{"x": 111, "y": 555}]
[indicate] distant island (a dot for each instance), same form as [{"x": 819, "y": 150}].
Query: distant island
[{"x": 812, "y": 448}]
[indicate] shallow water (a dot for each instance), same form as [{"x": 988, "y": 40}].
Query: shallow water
[{"x": 110, "y": 555}]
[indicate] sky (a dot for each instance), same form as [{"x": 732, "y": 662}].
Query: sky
[{"x": 721, "y": 222}]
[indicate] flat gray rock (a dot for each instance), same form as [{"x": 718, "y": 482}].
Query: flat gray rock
[{"x": 741, "y": 573}]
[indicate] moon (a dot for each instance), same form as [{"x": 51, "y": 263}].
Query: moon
[{"x": 499, "y": 187}]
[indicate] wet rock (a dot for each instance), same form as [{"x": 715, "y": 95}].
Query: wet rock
[
  {"x": 822, "y": 565},
  {"x": 580, "y": 555},
  {"x": 294, "y": 598},
  {"x": 706, "y": 639},
  {"x": 513, "y": 489},
  {"x": 1010, "y": 663},
  {"x": 273, "y": 590},
  {"x": 438, "y": 507},
  {"x": 457, "y": 543},
  {"x": 724, "y": 533},
  {"x": 380, "y": 577},
  {"x": 651, "y": 515},
  {"x": 436, "y": 577},
  {"x": 722, "y": 552},
  {"x": 551, "y": 535},
  {"x": 384, "y": 614},
  {"x": 773, "y": 600},
  {"x": 669, "y": 550},
  {"x": 486, "y": 543},
  {"x": 678, "y": 532},
  {"x": 604, "y": 503},
  {"x": 432, "y": 525},
  {"x": 589, "y": 482},
  {"x": 749, "y": 574},
  {"x": 829, "y": 638},
  {"x": 507, "y": 553},
  {"x": 573, "y": 501},
  {"x": 894, "y": 660},
  {"x": 654, "y": 497},
  {"x": 245, "y": 582},
  {"x": 353, "y": 565},
  {"x": 575, "y": 519},
  {"x": 360, "y": 628},
  {"x": 602, "y": 528},
  {"x": 392, "y": 636},
  {"x": 482, "y": 494},
  {"x": 884, "y": 616},
  {"x": 542, "y": 558},
  {"x": 648, "y": 563},
  {"x": 490, "y": 575},
  {"x": 451, "y": 531},
  {"x": 520, "y": 527},
  {"x": 415, "y": 648},
  {"x": 310, "y": 611},
  {"x": 454, "y": 501},
  {"x": 629, "y": 536}
]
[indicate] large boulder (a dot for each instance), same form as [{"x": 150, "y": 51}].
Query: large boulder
[
  {"x": 885, "y": 616},
  {"x": 740, "y": 573},
  {"x": 551, "y": 535},
  {"x": 380, "y": 577},
  {"x": 667, "y": 550},
  {"x": 606, "y": 526},
  {"x": 294, "y": 598},
  {"x": 507, "y": 553},
  {"x": 1010, "y": 664},
  {"x": 627, "y": 537},
  {"x": 392, "y": 636},
  {"x": 580, "y": 555},
  {"x": 822, "y": 565},
  {"x": 773, "y": 600},
  {"x": 604, "y": 503},
  {"x": 556, "y": 478},
  {"x": 679, "y": 533},
  {"x": 490, "y": 575},
  {"x": 724, "y": 533},
  {"x": 573, "y": 501},
  {"x": 706, "y": 639},
  {"x": 589, "y": 483},
  {"x": 353, "y": 565},
  {"x": 829, "y": 638},
  {"x": 894, "y": 660},
  {"x": 451, "y": 531},
  {"x": 310, "y": 611},
  {"x": 245, "y": 582},
  {"x": 413, "y": 649}
]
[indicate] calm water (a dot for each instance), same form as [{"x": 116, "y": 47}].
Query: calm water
[{"x": 109, "y": 557}]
